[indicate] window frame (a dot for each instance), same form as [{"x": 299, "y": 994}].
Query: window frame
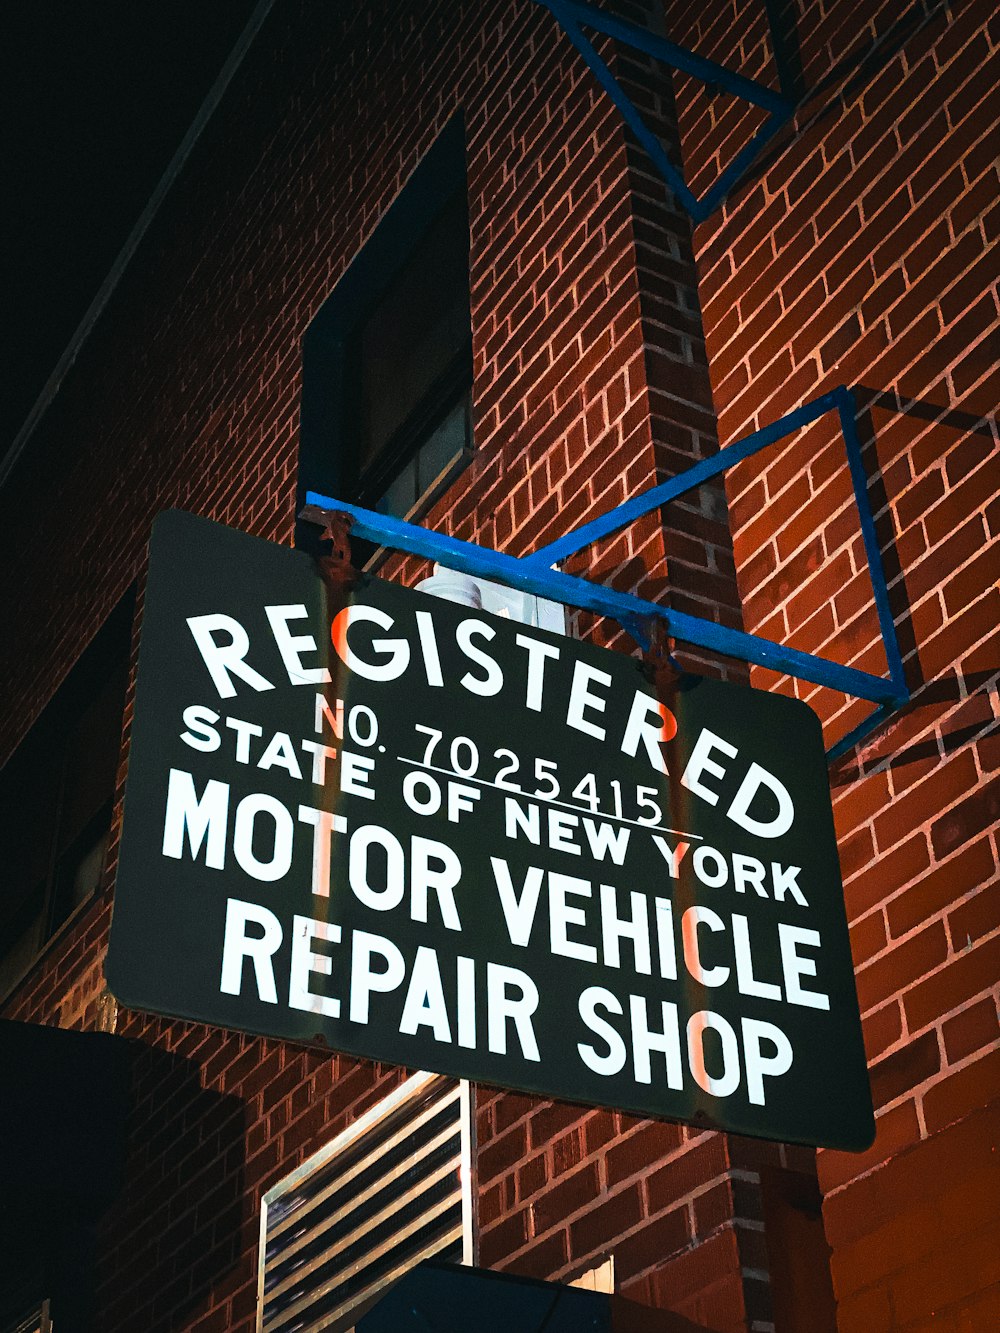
[
  {"x": 108, "y": 650},
  {"x": 327, "y": 422}
]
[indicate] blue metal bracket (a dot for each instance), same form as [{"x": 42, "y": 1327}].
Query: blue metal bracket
[
  {"x": 570, "y": 14},
  {"x": 534, "y": 573}
]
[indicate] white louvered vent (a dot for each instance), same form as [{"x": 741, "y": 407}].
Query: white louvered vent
[
  {"x": 37, "y": 1322},
  {"x": 389, "y": 1191}
]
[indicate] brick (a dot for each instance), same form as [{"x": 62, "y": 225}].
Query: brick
[
  {"x": 967, "y": 974},
  {"x": 971, "y": 1030},
  {"x": 975, "y": 918},
  {"x": 599, "y": 1128},
  {"x": 560, "y": 1201},
  {"x": 503, "y": 1153},
  {"x": 961, "y": 1153},
  {"x": 504, "y": 1238},
  {"x": 685, "y": 1172},
  {"x": 943, "y": 886},
  {"x": 905, "y": 1069},
  {"x": 955, "y": 1271},
  {"x": 865, "y": 1311},
  {"x": 490, "y": 1206},
  {"x": 897, "y": 969},
  {"x": 941, "y": 648},
  {"x": 900, "y": 866},
  {"x": 603, "y": 1224},
  {"x": 972, "y": 720},
  {"x": 543, "y": 1258},
  {"x": 856, "y": 852},
  {"x": 980, "y": 810},
  {"x": 509, "y": 1107},
  {"x": 882, "y": 1028},
  {"x": 854, "y": 804},
  {"x": 944, "y": 786},
  {"x": 531, "y": 1176},
  {"x": 652, "y": 1246},
  {"x": 975, "y": 580},
  {"x": 914, "y": 504},
  {"x": 897, "y": 1248},
  {"x": 972, "y": 1086},
  {"x": 567, "y": 1152},
  {"x": 868, "y": 937},
  {"x": 895, "y": 1130},
  {"x": 962, "y": 545},
  {"x": 991, "y": 513},
  {"x": 639, "y": 1153},
  {"x": 687, "y": 1274},
  {"x": 551, "y": 1119}
]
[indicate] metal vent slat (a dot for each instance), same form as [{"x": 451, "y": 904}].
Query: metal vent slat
[
  {"x": 392, "y": 1189},
  {"x": 37, "y": 1321},
  {"x": 406, "y": 1129},
  {"x": 353, "y": 1202},
  {"x": 389, "y": 1210},
  {"x": 331, "y": 1284},
  {"x": 358, "y": 1299}
]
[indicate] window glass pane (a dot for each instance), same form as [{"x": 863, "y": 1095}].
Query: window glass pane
[
  {"x": 87, "y": 871},
  {"x": 443, "y": 445},
  {"x": 78, "y": 871},
  {"x": 30, "y": 792},
  {"x": 92, "y": 742},
  {"x": 401, "y": 496},
  {"x": 415, "y": 333},
  {"x": 389, "y": 356},
  {"x": 56, "y": 793},
  {"x": 23, "y": 936}
]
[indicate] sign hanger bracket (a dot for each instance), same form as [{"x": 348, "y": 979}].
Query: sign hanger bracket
[{"x": 534, "y": 573}]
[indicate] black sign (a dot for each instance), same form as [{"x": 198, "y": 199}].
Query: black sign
[{"x": 431, "y": 836}]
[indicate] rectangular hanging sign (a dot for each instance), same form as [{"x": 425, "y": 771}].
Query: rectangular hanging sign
[{"x": 431, "y": 836}]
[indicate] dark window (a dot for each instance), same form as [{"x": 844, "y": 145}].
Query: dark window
[
  {"x": 387, "y": 374},
  {"x": 56, "y": 793}
]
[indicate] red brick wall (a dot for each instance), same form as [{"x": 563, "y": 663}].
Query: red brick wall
[
  {"x": 680, "y": 1209},
  {"x": 187, "y": 394},
  {"x": 862, "y": 250},
  {"x": 591, "y": 381}
]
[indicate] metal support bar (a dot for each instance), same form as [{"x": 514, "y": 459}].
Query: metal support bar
[
  {"x": 739, "y": 165},
  {"x": 685, "y": 481},
  {"x": 688, "y": 62},
  {"x": 573, "y": 591},
  {"x": 847, "y": 412},
  {"x": 570, "y": 14},
  {"x": 655, "y": 150},
  {"x": 533, "y": 573}
]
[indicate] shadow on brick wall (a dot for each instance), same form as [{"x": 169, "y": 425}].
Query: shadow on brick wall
[
  {"x": 851, "y": 75},
  {"x": 174, "y": 1233},
  {"x": 970, "y": 719},
  {"x": 890, "y": 400},
  {"x": 899, "y": 601},
  {"x": 818, "y": 98},
  {"x": 961, "y": 703}
]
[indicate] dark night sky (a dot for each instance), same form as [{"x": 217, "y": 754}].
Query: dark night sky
[{"x": 96, "y": 97}]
